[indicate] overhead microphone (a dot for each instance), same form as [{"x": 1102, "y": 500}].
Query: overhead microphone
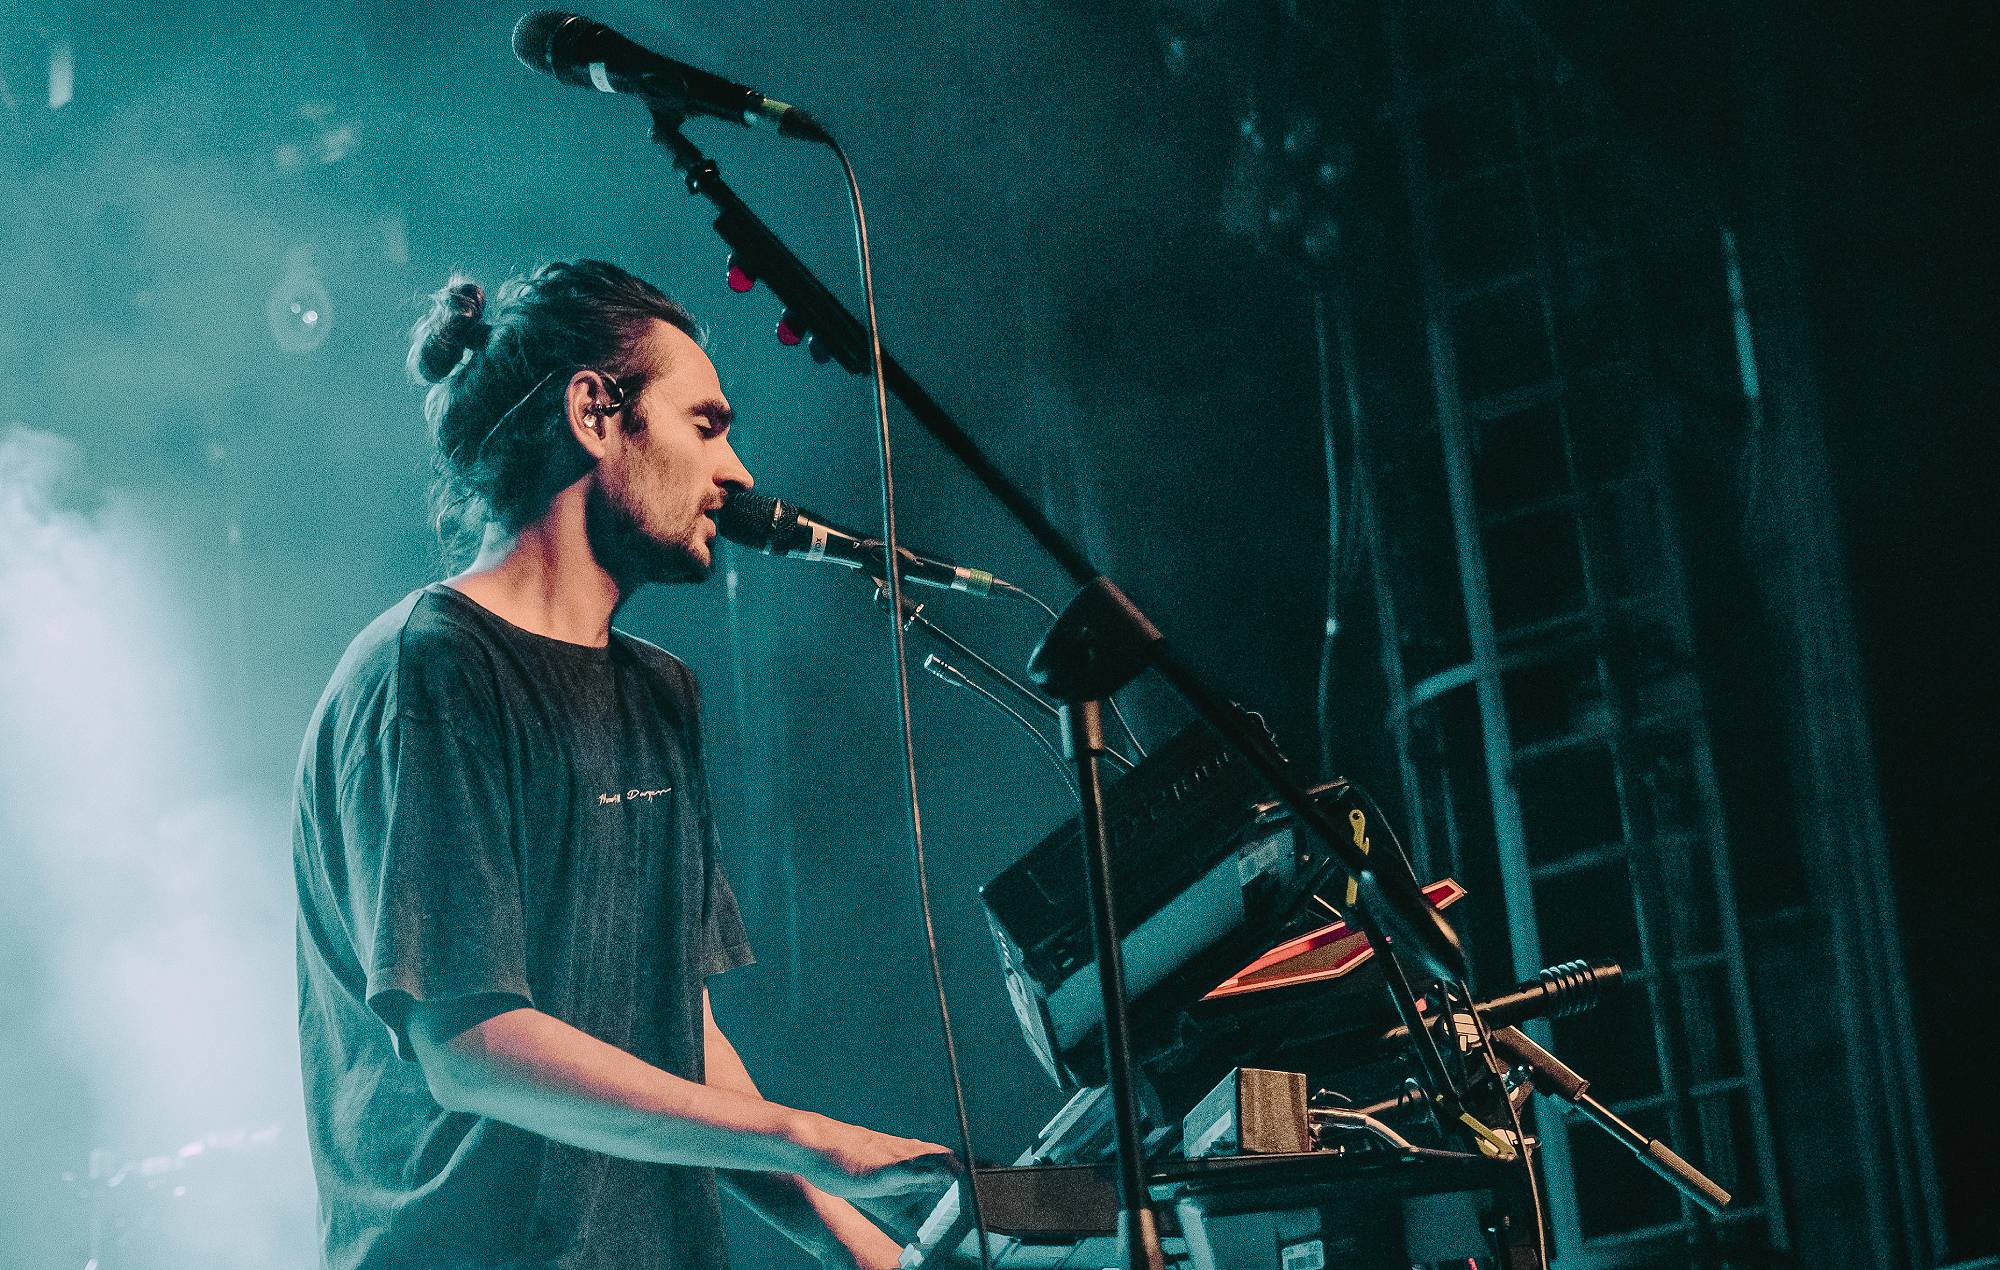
[
  {"x": 589, "y": 54},
  {"x": 782, "y": 529},
  {"x": 1558, "y": 992}
]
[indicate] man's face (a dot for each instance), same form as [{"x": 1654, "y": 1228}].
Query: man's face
[{"x": 650, "y": 510}]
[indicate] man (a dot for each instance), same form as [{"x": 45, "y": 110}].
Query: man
[{"x": 509, "y": 896}]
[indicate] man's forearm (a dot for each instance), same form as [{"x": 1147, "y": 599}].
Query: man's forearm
[
  {"x": 816, "y": 1221},
  {"x": 535, "y": 1071}
]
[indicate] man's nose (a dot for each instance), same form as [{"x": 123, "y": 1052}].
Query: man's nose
[{"x": 733, "y": 474}]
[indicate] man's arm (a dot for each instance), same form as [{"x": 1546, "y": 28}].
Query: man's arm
[
  {"x": 539, "y": 1073},
  {"x": 828, "y": 1227}
]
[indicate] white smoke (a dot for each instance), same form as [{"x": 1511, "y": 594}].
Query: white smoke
[{"x": 152, "y": 901}]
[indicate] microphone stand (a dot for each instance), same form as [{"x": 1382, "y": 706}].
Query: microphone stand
[
  {"x": 914, "y": 619},
  {"x": 1556, "y": 1079},
  {"x": 1069, "y": 667},
  {"x": 1100, "y": 643}
]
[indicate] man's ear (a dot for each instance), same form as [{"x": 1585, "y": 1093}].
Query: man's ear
[{"x": 588, "y": 407}]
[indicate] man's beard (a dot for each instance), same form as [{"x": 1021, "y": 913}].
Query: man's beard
[{"x": 628, "y": 553}]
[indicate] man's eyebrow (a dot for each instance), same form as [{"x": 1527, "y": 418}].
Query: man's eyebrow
[{"x": 717, "y": 413}]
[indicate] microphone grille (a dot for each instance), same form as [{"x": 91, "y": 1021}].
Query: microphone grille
[
  {"x": 535, "y": 37},
  {"x": 1579, "y": 985},
  {"x": 755, "y": 520}
]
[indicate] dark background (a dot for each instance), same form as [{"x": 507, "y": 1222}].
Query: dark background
[
  {"x": 1892, "y": 112},
  {"x": 220, "y": 514}
]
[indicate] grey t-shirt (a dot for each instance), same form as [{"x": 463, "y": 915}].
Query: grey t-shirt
[{"x": 485, "y": 812}]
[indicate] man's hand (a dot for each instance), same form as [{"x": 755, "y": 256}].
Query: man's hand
[
  {"x": 856, "y": 1163},
  {"x": 883, "y": 1253},
  {"x": 540, "y": 1074}
]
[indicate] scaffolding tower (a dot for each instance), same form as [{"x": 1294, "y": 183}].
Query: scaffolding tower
[{"x": 1556, "y": 733}]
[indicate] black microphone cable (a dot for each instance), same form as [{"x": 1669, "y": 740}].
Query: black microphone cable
[
  {"x": 534, "y": 40},
  {"x": 951, "y": 674},
  {"x": 1514, "y": 1118},
  {"x": 892, "y": 560},
  {"x": 1485, "y": 1040},
  {"x": 1395, "y": 841}
]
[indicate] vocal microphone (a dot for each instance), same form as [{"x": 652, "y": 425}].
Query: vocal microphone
[
  {"x": 591, "y": 55},
  {"x": 781, "y": 529}
]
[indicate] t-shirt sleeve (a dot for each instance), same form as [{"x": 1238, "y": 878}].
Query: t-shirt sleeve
[
  {"x": 724, "y": 944},
  {"x": 434, "y": 882}
]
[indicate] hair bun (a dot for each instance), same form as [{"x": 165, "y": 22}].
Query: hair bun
[{"x": 454, "y": 324}]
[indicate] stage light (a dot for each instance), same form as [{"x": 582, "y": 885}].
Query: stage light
[
  {"x": 62, "y": 75},
  {"x": 298, "y": 309}
]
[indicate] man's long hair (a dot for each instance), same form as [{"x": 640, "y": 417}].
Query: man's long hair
[{"x": 501, "y": 442}]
